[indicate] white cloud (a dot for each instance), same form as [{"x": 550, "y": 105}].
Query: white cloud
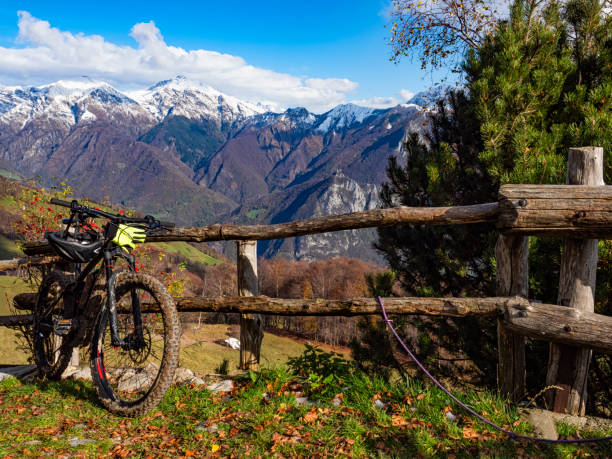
[
  {"x": 405, "y": 95},
  {"x": 48, "y": 54},
  {"x": 376, "y": 102},
  {"x": 385, "y": 102}
]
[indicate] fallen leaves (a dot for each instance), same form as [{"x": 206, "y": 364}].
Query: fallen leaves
[{"x": 311, "y": 416}]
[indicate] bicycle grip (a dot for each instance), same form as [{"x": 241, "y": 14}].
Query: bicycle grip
[{"x": 59, "y": 202}]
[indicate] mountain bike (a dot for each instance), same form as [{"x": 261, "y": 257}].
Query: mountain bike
[{"x": 127, "y": 317}]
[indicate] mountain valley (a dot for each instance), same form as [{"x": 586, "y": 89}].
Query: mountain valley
[{"x": 185, "y": 151}]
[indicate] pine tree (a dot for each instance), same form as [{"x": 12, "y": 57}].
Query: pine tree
[{"x": 539, "y": 84}]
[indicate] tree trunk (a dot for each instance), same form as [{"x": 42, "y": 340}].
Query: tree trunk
[
  {"x": 568, "y": 366},
  {"x": 511, "y": 255},
  {"x": 251, "y": 325}
]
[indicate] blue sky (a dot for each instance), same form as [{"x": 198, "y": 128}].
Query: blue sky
[{"x": 315, "y": 53}]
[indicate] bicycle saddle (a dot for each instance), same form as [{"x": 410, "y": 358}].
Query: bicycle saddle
[{"x": 71, "y": 249}]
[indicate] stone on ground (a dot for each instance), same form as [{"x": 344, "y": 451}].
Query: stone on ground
[
  {"x": 542, "y": 421},
  {"x": 222, "y": 386}
]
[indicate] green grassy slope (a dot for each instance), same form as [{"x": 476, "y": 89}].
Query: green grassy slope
[
  {"x": 8, "y": 249},
  {"x": 262, "y": 417},
  {"x": 11, "y": 345},
  {"x": 188, "y": 251},
  {"x": 205, "y": 351}
]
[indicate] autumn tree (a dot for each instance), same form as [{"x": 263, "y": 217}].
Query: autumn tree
[{"x": 439, "y": 32}]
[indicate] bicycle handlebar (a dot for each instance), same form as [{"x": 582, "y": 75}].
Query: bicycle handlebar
[{"x": 75, "y": 207}]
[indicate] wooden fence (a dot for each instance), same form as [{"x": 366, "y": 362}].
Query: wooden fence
[{"x": 580, "y": 212}]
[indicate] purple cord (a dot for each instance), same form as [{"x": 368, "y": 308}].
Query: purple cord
[{"x": 511, "y": 434}]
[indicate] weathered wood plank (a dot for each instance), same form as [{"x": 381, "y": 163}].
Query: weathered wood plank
[
  {"x": 554, "y": 192},
  {"x": 511, "y": 256},
  {"x": 453, "y": 307},
  {"x": 14, "y": 321},
  {"x": 251, "y": 325},
  {"x": 15, "y": 263},
  {"x": 561, "y": 324},
  {"x": 556, "y": 210},
  {"x": 366, "y": 219},
  {"x": 568, "y": 366},
  {"x": 540, "y": 321}
]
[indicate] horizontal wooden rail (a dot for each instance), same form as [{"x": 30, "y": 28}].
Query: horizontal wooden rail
[
  {"x": 14, "y": 321},
  {"x": 15, "y": 263},
  {"x": 458, "y": 215},
  {"x": 576, "y": 211},
  {"x": 556, "y": 210},
  {"x": 561, "y": 324},
  {"x": 541, "y": 321},
  {"x": 453, "y": 307}
]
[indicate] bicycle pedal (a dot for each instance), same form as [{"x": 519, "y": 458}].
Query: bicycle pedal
[{"x": 62, "y": 326}]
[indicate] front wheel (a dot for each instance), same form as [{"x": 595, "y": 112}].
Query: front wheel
[{"x": 132, "y": 379}]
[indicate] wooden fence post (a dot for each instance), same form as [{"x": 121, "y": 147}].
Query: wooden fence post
[
  {"x": 568, "y": 366},
  {"x": 511, "y": 255},
  {"x": 251, "y": 325}
]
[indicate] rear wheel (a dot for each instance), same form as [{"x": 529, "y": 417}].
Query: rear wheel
[
  {"x": 52, "y": 352},
  {"x": 132, "y": 379}
]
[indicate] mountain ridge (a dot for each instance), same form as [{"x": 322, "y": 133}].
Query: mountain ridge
[{"x": 188, "y": 152}]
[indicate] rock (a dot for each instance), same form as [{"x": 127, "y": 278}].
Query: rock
[
  {"x": 132, "y": 380},
  {"x": 222, "y": 386},
  {"x": 580, "y": 422},
  {"x": 197, "y": 381},
  {"x": 183, "y": 376},
  {"x": 76, "y": 441},
  {"x": 212, "y": 428},
  {"x": 379, "y": 404},
  {"x": 69, "y": 371},
  {"x": 22, "y": 372},
  {"x": 336, "y": 401},
  {"x": 4, "y": 376},
  {"x": 82, "y": 373},
  {"x": 302, "y": 401},
  {"x": 450, "y": 416},
  {"x": 542, "y": 422}
]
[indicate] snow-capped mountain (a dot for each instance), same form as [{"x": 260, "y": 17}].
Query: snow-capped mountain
[
  {"x": 69, "y": 102},
  {"x": 185, "y": 151},
  {"x": 430, "y": 96},
  {"x": 190, "y": 99},
  {"x": 344, "y": 116}
]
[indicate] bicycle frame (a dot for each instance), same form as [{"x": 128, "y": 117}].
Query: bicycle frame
[{"x": 108, "y": 254}]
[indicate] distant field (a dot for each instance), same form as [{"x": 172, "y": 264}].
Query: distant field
[
  {"x": 8, "y": 249},
  {"x": 203, "y": 350},
  {"x": 188, "y": 251},
  {"x": 10, "y": 348}
]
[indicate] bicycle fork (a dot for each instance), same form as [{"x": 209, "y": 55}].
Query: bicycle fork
[{"x": 135, "y": 340}]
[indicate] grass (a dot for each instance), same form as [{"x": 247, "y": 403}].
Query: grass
[
  {"x": 11, "y": 349},
  {"x": 203, "y": 350},
  {"x": 253, "y": 214},
  {"x": 188, "y": 251},
  {"x": 10, "y": 174},
  {"x": 8, "y": 249},
  {"x": 261, "y": 417}
]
